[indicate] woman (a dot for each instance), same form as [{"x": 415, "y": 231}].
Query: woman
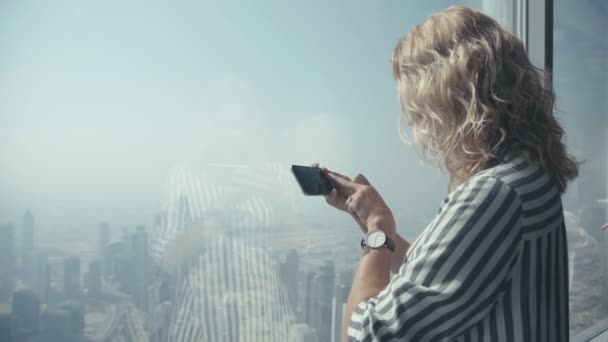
[{"x": 492, "y": 265}]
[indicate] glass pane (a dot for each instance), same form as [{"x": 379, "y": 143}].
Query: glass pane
[
  {"x": 581, "y": 84},
  {"x": 146, "y": 150}
]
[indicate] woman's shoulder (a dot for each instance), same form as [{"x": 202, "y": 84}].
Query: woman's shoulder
[{"x": 518, "y": 176}]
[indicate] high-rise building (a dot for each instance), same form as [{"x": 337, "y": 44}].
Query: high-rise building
[
  {"x": 123, "y": 267},
  {"x": 93, "y": 278},
  {"x": 103, "y": 240},
  {"x": 26, "y": 312},
  {"x": 141, "y": 260},
  {"x": 343, "y": 287},
  {"x": 308, "y": 299},
  {"x": 323, "y": 292},
  {"x": 111, "y": 252},
  {"x": 6, "y": 324},
  {"x": 158, "y": 321},
  {"x": 7, "y": 262},
  {"x": 288, "y": 271},
  {"x": 37, "y": 274},
  {"x": 104, "y": 236},
  {"x": 27, "y": 236},
  {"x": 158, "y": 292},
  {"x": 75, "y": 312},
  {"x": 71, "y": 277},
  {"x": 338, "y": 306},
  {"x": 55, "y": 326},
  {"x": 605, "y": 256}
]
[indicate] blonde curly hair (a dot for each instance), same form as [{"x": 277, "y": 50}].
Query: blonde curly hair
[{"x": 472, "y": 96}]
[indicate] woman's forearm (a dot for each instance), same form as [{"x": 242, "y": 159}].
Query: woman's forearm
[
  {"x": 398, "y": 256},
  {"x": 373, "y": 275}
]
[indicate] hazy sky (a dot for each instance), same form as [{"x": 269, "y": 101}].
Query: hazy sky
[{"x": 100, "y": 99}]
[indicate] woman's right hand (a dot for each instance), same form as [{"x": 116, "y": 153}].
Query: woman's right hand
[{"x": 338, "y": 200}]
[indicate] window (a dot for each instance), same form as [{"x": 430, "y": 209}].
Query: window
[
  {"x": 146, "y": 149},
  {"x": 581, "y": 83}
]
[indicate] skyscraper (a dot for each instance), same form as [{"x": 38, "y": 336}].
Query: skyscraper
[
  {"x": 26, "y": 312},
  {"x": 103, "y": 240},
  {"x": 6, "y": 324},
  {"x": 288, "y": 271},
  {"x": 75, "y": 313},
  {"x": 158, "y": 321},
  {"x": 27, "y": 236},
  {"x": 140, "y": 250},
  {"x": 308, "y": 299},
  {"x": 605, "y": 249},
  {"x": 323, "y": 293},
  {"x": 93, "y": 278},
  {"x": 123, "y": 265},
  {"x": 104, "y": 237},
  {"x": 343, "y": 285},
  {"x": 7, "y": 262},
  {"x": 55, "y": 326},
  {"x": 110, "y": 255},
  {"x": 37, "y": 274},
  {"x": 71, "y": 277}
]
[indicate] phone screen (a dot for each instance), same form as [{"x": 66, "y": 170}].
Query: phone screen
[{"x": 312, "y": 180}]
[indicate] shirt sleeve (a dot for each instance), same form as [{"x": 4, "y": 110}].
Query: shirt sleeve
[{"x": 453, "y": 274}]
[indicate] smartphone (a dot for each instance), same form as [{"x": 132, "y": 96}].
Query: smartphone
[{"x": 312, "y": 180}]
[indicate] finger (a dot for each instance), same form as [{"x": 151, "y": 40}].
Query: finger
[
  {"x": 360, "y": 179},
  {"x": 351, "y": 209},
  {"x": 343, "y": 185},
  {"x": 331, "y": 198},
  {"x": 327, "y": 171}
]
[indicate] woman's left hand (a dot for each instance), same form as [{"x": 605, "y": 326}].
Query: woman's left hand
[{"x": 363, "y": 202}]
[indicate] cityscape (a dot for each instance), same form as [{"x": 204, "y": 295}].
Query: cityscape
[
  {"x": 178, "y": 280},
  {"x": 224, "y": 260}
]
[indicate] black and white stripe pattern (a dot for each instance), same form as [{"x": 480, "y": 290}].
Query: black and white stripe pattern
[
  {"x": 231, "y": 292},
  {"x": 228, "y": 287},
  {"x": 250, "y": 200},
  {"x": 491, "y": 266}
]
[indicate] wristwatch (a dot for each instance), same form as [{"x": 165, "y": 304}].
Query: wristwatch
[{"x": 376, "y": 239}]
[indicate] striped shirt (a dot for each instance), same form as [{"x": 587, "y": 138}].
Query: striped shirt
[
  {"x": 491, "y": 266},
  {"x": 215, "y": 229}
]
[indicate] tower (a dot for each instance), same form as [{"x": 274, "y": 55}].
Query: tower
[
  {"x": 37, "y": 274},
  {"x": 288, "y": 270},
  {"x": 323, "y": 293},
  {"x": 343, "y": 286},
  {"x": 93, "y": 278},
  {"x": 140, "y": 249},
  {"x": 7, "y": 262},
  {"x": 71, "y": 277},
  {"x": 27, "y": 236},
  {"x": 605, "y": 256},
  {"x": 26, "y": 313},
  {"x": 104, "y": 237}
]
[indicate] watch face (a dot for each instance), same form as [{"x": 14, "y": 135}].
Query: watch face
[{"x": 376, "y": 239}]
